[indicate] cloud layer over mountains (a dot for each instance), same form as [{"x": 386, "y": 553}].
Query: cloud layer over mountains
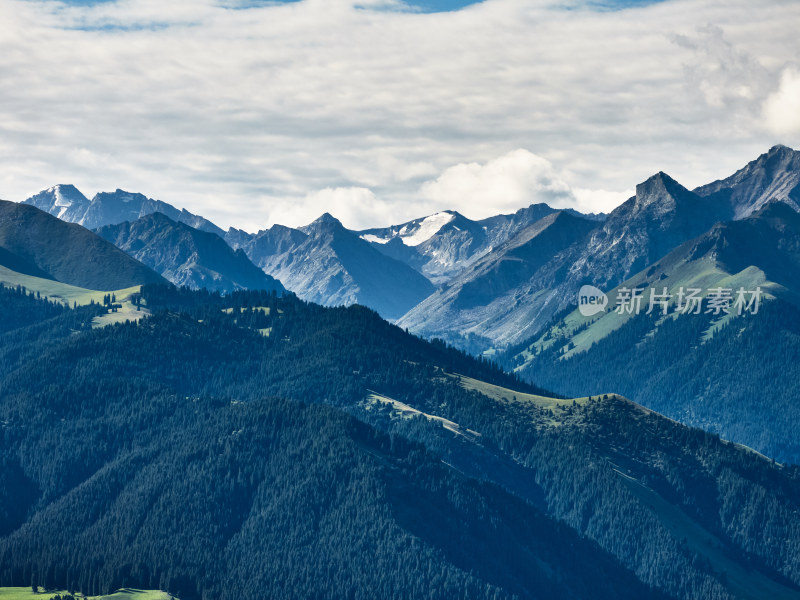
[{"x": 253, "y": 114}]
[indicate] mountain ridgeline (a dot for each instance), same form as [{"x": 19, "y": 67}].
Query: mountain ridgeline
[
  {"x": 328, "y": 264},
  {"x": 508, "y": 285},
  {"x": 110, "y": 208},
  {"x": 390, "y": 270},
  {"x": 660, "y": 217},
  {"x": 773, "y": 176},
  {"x": 187, "y": 256},
  {"x": 489, "y": 292},
  {"x": 443, "y": 245},
  {"x": 414, "y": 272}
]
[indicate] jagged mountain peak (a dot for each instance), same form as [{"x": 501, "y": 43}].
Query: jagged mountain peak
[
  {"x": 326, "y": 263},
  {"x": 119, "y": 194},
  {"x": 659, "y": 187},
  {"x": 278, "y": 228},
  {"x": 780, "y": 149},
  {"x": 186, "y": 255},
  {"x": 63, "y": 200},
  {"x": 776, "y": 159},
  {"x": 444, "y": 244},
  {"x": 326, "y": 222},
  {"x": 664, "y": 203},
  {"x": 327, "y": 217},
  {"x": 775, "y": 175},
  {"x": 565, "y": 216},
  {"x": 159, "y": 217},
  {"x": 417, "y": 232},
  {"x": 66, "y": 188},
  {"x": 67, "y": 203}
]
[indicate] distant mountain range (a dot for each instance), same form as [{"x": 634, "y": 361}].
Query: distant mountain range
[
  {"x": 325, "y": 263},
  {"x": 493, "y": 291},
  {"x": 110, "y": 208},
  {"x": 442, "y": 245},
  {"x": 188, "y": 256},
  {"x": 478, "y": 284},
  {"x": 248, "y": 443},
  {"x": 508, "y": 285},
  {"x": 390, "y": 270},
  {"x": 773, "y": 176},
  {"x": 661, "y": 216}
]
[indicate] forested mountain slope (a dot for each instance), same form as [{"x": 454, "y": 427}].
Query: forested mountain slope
[
  {"x": 244, "y": 445},
  {"x": 734, "y": 374}
]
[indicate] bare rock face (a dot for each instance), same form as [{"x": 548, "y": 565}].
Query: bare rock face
[
  {"x": 63, "y": 201},
  {"x": 772, "y": 176},
  {"x": 485, "y": 298},
  {"x": 661, "y": 216},
  {"x": 187, "y": 256},
  {"x": 325, "y": 263},
  {"x": 110, "y": 208},
  {"x": 444, "y": 244}
]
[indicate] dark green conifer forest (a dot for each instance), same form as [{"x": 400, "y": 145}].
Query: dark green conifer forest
[{"x": 228, "y": 447}]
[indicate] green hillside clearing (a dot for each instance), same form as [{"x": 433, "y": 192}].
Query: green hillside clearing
[
  {"x": 407, "y": 412},
  {"x": 70, "y": 294},
  {"x": 573, "y": 335},
  {"x": 495, "y": 392}
]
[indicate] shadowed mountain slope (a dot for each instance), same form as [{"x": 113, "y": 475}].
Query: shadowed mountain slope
[
  {"x": 36, "y": 243},
  {"x": 187, "y": 256}
]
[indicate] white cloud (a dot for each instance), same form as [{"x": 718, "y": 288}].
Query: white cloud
[
  {"x": 782, "y": 108},
  {"x": 597, "y": 201},
  {"x": 720, "y": 72},
  {"x": 512, "y": 181},
  {"x": 237, "y": 114},
  {"x": 356, "y": 208},
  {"x": 504, "y": 184}
]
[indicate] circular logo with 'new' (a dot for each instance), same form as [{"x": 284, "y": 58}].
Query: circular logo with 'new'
[{"x": 591, "y": 301}]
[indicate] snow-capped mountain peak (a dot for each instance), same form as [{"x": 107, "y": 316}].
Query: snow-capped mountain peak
[
  {"x": 412, "y": 233},
  {"x": 425, "y": 229},
  {"x": 64, "y": 201}
]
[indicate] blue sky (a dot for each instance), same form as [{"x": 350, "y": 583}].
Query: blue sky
[
  {"x": 428, "y": 5},
  {"x": 255, "y": 117}
]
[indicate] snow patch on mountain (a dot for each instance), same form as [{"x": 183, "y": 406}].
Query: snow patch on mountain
[
  {"x": 60, "y": 200},
  {"x": 426, "y": 229},
  {"x": 368, "y": 237}
]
